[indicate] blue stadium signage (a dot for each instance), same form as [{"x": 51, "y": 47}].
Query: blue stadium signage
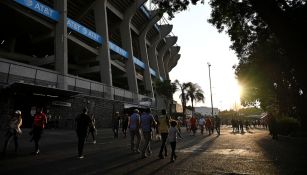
[
  {"x": 152, "y": 72},
  {"x": 118, "y": 50},
  {"x": 144, "y": 9},
  {"x": 138, "y": 62},
  {"x": 55, "y": 15},
  {"x": 40, "y": 8},
  {"x": 83, "y": 30}
]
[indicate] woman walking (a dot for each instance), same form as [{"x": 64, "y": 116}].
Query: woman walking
[
  {"x": 163, "y": 130},
  {"x": 14, "y": 123}
]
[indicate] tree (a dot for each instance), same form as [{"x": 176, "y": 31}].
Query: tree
[
  {"x": 165, "y": 89},
  {"x": 173, "y": 6},
  {"x": 183, "y": 87},
  {"x": 195, "y": 93},
  {"x": 269, "y": 39}
]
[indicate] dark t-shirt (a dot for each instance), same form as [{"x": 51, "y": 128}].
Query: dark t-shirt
[
  {"x": 115, "y": 121},
  {"x": 83, "y": 122}
]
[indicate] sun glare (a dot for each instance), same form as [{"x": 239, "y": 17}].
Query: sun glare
[{"x": 231, "y": 96}]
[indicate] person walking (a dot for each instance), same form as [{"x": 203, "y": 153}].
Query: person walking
[
  {"x": 125, "y": 124},
  {"x": 13, "y": 130},
  {"x": 40, "y": 121},
  {"x": 115, "y": 124},
  {"x": 208, "y": 124},
  {"x": 193, "y": 122},
  {"x": 147, "y": 122},
  {"x": 82, "y": 121},
  {"x": 217, "y": 123},
  {"x": 273, "y": 126},
  {"x": 188, "y": 125},
  {"x": 92, "y": 129},
  {"x": 172, "y": 137},
  {"x": 163, "y": 130},
  {"x": 201, "y": 124},
  {"x": 134, "y": 128}
]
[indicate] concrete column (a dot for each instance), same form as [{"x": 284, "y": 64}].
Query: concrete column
[
  {"x": 101, "y": 20},
  {"x": 61, "y": 50},
  {"x": 127, "y": 43},
  {"x": 166, "y": 58},
  {"x": 152, "y": 54},
  {"x": 170, "y": 41},
  {"x": 144, "y": 55}
]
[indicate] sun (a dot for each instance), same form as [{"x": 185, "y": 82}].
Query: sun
[{"x": 231, "y": 96}]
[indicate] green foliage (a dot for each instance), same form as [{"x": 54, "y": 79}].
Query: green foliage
[
  {"x": 173, "y": 6},
  {"x": 288, "y": 126},
  {"x": 165, "y": 88},
  {"x": 250, "y": 111}
]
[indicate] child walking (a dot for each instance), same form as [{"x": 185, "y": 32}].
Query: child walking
[{"x": 172, "y": 136}]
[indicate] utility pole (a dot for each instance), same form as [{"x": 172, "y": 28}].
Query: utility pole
[{"x": 209, "y": 65}]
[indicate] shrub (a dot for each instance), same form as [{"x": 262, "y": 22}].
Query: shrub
[{"x": 288, "y": 126}]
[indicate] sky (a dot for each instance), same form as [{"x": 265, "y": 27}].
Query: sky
[{"x": 200, "y": 44}]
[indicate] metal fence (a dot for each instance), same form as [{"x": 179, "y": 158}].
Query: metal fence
[{"x": 11, "y": 72}]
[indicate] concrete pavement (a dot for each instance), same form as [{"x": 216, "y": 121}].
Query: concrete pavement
[{"x": 253, "y": 152}]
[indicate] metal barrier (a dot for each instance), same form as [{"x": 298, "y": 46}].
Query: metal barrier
[{"x": 11, "y": 72}]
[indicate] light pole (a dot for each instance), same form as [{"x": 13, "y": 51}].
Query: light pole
[{"x": 209, "y": 65}]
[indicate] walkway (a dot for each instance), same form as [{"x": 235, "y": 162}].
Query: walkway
[{"x": 253, "y": 152}]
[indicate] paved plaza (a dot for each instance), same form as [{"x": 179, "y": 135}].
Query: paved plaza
[{"x": 253, "y": 152}]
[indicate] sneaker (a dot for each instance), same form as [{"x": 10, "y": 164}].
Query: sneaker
[
  {"x": 36, "y": 152},
  {"x": 94, "y": 142},
  {"x": 80, "y": 157},
  {"x": 149, "y": 153},
  {"x": 143, "y": 156}
]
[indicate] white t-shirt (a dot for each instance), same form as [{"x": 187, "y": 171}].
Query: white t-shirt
[{"x": 201, "y": 121}]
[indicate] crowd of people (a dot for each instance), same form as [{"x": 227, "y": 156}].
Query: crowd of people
[
  {"x": 209, "y": 123},
  {"x": 142, "y": 126}
]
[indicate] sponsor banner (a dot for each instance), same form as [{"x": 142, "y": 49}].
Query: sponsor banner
[
  {"x": 138, "y": 62},
  {"x": 55, "y": 15},
  {"x": 83, "y": 30},
  {"x": 40, "y": 8},
  {"x": 118, "y": 50},
  {"x": 152, "y": 72}
]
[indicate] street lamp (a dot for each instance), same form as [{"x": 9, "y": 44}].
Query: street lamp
[{"x": 209, "y": 65}]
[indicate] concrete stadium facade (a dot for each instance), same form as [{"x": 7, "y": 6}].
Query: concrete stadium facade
[{"x": 67, "y": 54}]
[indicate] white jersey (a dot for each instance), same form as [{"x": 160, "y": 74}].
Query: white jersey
[{"x": 201, "y": 121}]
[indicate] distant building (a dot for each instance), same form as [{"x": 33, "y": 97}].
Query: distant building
[
  {"x": 176, "y": 107},
  {"x": 206, "y": 110}
]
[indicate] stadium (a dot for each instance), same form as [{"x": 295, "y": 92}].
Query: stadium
[{"x": 68, "y": 54}]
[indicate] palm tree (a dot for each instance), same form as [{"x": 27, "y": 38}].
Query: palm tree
[
  {"x": 195, "y": 93},
  {"x": 183, "y": 88}
]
